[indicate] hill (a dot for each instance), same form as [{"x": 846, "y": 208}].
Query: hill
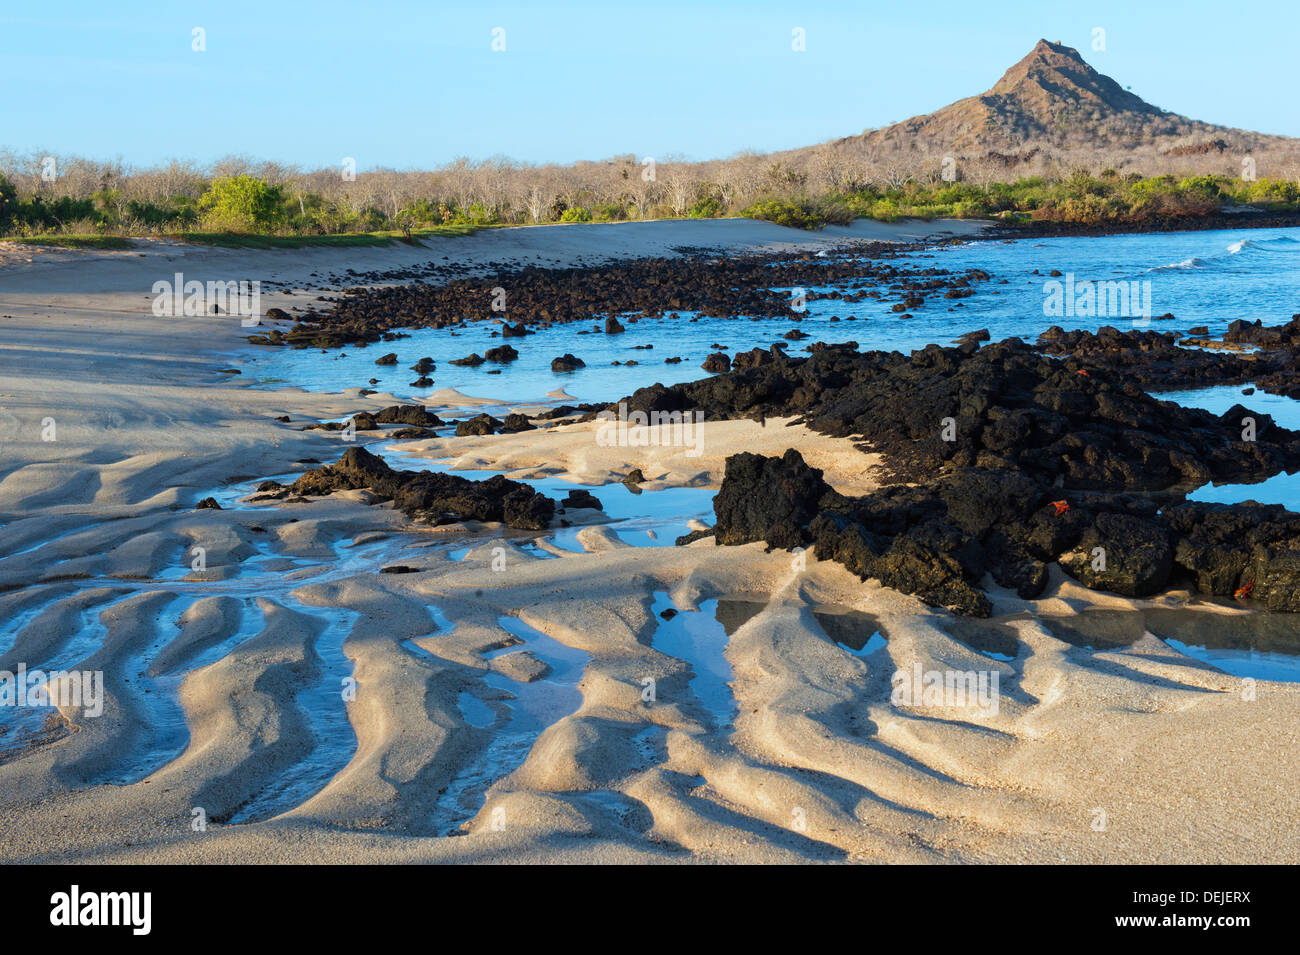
[{"x": 1052, "y": 105}]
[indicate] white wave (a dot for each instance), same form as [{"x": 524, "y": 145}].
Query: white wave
[
  {"x": 1195, "y": 262},
  {"x": 1277, "y": 243}
]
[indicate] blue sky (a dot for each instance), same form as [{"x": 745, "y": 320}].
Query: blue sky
[{"x": 415, "y": 84}]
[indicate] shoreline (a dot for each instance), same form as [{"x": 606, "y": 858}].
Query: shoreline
[
  {"x": 102, "y": 518},
  {"x": 1217, "y": 223},
  {"x": 16, "y": 252},
  {"x": 549, "y": 242}
]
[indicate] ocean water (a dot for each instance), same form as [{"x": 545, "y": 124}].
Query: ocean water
[{"x": 1203, "y": 278}]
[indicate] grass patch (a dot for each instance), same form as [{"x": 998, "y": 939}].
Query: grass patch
[
  {"x": 71, "y": 241},
  {"x": 251, "y": 240}
]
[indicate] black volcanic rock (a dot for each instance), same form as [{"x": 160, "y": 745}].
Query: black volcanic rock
[
  {"x": 1257, "y": 333},
  {"x": 1123, "y": 554},
  {"x": 1239, "y": 550},
  {"x": 768, "y": 499},
  {"x": 1158, "y": 361},
  {"x": 1014, "y": 461},
  {"x": 414, "y": 415},
  {"x": 361, "y": 421},
  {"x": 717, "y": 363},
  {"x": 567, "y": 362},
  {"x": 1070, "y": 422},
  {"x": 480, "y": 424},
  {"x": 516, "y": 422},
  {"x": 757, "y": 356},
  {"x": 581, "y": 497},
  {"x": 711, "y": 286},
  {"x": 431, "y": 497}
]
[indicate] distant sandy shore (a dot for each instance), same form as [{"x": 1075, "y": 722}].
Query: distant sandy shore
[{"x": 1133, "y": 755}]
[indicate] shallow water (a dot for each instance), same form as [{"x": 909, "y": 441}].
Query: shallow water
[
  {"x": 654, "y": 518},
  {"x": 530, "y": 708},
  {"x": 166, "y": 733},
  {"x": 22, "y": 725},
  {"x": 1203, "y": 278},
  {"x": 857, "y": 632},
  {"x": 1219, "y": 398},
  {"x": 1280, "y": 488},
  {"x": 700, "y": 638},
  {"x": 323, "y": 703},
  {"x": 1255, "y": 664},
  {"x": 983, "y": 636},
  {"x": 1261, "y": 645}
]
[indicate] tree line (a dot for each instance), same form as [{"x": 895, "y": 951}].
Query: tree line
[{"x": 807, "y": 188}]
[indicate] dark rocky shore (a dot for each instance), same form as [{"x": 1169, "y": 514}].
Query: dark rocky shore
[
  {"x": 1012, "y": 460},
  {"x": 425, "y": 496},
  {"x": 1159, "y": 360},
  {"x": 712, "y": 285},
  {"x": 1241, "y": 218}
]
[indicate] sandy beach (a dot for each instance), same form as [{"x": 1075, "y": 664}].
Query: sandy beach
[{"x": 115, "y": 423}]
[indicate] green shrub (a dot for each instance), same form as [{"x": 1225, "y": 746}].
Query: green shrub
[
  {"x": 886, "y": 210},
  {"x": 707, "y": 208},
  {"x": 609, "y": 212},
  {"x": 1275, "y": 194},
  {"x": 241, "y": 203},
  {"x": 786, "y": 212}
]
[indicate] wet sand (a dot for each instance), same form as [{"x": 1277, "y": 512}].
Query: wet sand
[{"x": 530, "y": 697}]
